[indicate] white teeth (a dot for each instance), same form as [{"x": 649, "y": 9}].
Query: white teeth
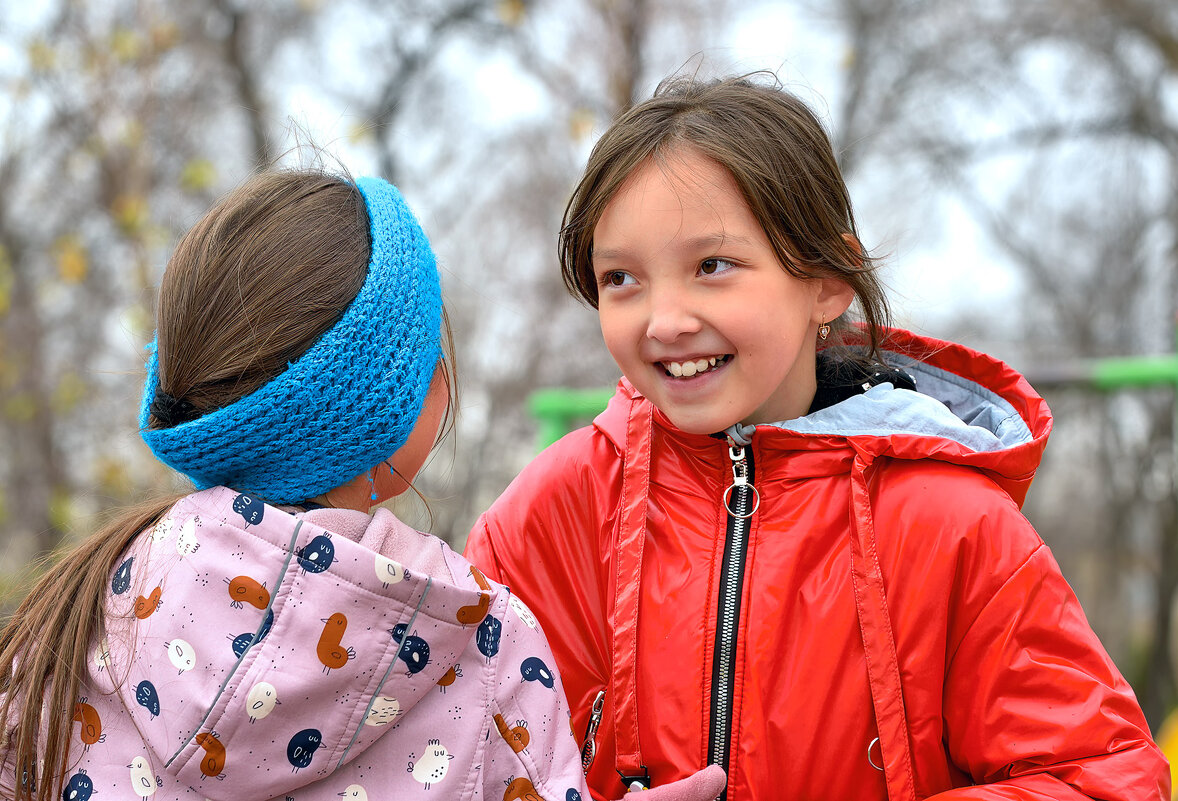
[{"x": 688, "y": 369}]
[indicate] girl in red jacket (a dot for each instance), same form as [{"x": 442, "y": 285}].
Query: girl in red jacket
[{"x": 792, "y": 546}]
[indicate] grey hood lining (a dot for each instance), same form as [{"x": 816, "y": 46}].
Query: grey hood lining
[{"x": 947, "y": 406}]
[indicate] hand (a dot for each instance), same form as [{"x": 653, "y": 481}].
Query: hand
[{"x": 703, "y": 785}]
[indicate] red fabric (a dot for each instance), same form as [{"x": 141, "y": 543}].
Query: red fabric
[{"x": 893, "y": 589}]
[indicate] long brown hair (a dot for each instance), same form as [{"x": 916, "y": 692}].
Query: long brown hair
[
  {"x": 236, "y": 305},
  {"x": 781, "y": 158}
]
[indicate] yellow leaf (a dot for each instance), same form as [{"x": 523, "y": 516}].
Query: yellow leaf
[
  {"x": 130, "y": 212},
  {"x": 9, "y": 372},
  {"x": 164, "y": 36},
  {"x": 5, "y": 281},
  {"x": 581, "y": 124},
  {"x": 512, "y": 12},
  {"x": 72, "y": 262},
  {"x": 359, "y": 133},
  {"x": 198, "y": 175},
  {"x": 20, "y": 408},
  {"x": 69, "y": 392},
  {"x": 42, "y": 57},
  {"x": 61, "y": 509},
  {"x": 113, "y": 478},
  {"x": 132, "y": 133},
  {"x": 126, "y": 45}
]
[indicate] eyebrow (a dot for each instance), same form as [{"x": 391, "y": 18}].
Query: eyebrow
[{"x": 704, "y": 242}]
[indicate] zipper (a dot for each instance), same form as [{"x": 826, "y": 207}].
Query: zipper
[
  {"x": 589, "y": 749},
  {"x": 741, "y": 500}
]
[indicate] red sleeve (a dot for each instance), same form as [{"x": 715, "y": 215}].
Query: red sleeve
[{"x": 1036, "y": 709}]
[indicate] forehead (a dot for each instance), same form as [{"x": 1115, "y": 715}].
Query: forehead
[
  {"x": 683, "y": 194},
  {"x": 684, "y": 173}
]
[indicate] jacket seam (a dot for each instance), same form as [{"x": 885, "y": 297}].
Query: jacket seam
[
  {"x": 997, "y": 591},
  {"x": 356, "y": 723},
  {"x": 250, "y": 651}
]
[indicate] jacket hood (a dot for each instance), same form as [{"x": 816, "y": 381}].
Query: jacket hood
[
  {"x": 251, "y": 643},
  {"x": 968, "y": 408}
]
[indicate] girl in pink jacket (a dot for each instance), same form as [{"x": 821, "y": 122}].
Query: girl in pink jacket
[{"x": 267, "y": 636}]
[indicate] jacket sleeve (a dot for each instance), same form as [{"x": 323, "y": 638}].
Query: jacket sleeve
[
  {"x": 547, "y": 537},
  {"x": 480, "y": 551},
  {"x": 1034, "y": 706},
  {"x": 530, "y": 747}
]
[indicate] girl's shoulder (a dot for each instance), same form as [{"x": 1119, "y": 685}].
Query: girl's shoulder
[
  {"x": 584, "y": 464},
  {"x": 945, "y": 516}
]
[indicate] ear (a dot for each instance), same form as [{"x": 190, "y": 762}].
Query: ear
[
  {"x": 834, "y": 294},
  {"x": 834, "y": 297}
]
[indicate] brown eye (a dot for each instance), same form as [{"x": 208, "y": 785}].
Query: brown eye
[
  {"x": 713, "y": 266},
  {"x": 616, "y": 278}
]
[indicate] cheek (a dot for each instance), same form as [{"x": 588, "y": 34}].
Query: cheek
[{"x": 618, "y": 334}]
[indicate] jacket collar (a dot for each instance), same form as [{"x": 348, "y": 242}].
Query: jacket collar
[{"x": 969, "y": 409}]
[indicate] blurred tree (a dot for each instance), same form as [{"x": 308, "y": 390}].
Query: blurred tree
[
  {"x": 495, "y": 221},
  {"x": 1055, "y": 124},
  {"x": 148, "y": 110},
  {"x": 109, "y": 147}
]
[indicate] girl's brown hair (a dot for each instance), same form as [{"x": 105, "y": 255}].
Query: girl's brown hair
[
  {"x": 248, "y": 289},
  {"x": 781, "y": 158}
]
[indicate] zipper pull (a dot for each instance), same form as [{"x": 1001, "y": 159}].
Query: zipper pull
[
  {"x": 589, "y": 749},
  {"x": 740, "y": 480}
]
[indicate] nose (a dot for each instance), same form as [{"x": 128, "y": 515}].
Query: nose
[{"x": 671, "y": 314}]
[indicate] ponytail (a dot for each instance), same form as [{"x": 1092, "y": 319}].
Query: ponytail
[{"x": 45, "y": 654}]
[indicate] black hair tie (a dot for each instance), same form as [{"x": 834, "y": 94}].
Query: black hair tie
[{"x": 171, "y": 411}]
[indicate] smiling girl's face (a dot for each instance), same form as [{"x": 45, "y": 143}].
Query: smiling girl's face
[{"x": 694, "y": 305}]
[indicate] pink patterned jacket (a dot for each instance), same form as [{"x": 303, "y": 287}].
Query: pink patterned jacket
[{"x": 251, "y": 653}]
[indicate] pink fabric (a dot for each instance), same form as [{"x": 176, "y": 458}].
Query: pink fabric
[{"x": 254, "y": 654}]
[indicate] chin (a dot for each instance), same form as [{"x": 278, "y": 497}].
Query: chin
[{"x": 696, "y": 425}]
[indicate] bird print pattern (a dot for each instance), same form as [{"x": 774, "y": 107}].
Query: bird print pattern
[
  {"x": 277, "y": 659},
  {"x": 91, "y": 728}
]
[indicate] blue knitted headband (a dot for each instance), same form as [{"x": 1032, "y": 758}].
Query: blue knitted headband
[{"x": 348, "y": 403}]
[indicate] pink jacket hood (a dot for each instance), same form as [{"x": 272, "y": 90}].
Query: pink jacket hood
[{"x": 355, "y": 640}]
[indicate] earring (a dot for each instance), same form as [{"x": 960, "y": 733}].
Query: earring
[
  {"x": 824, "y": 330},
  {"x": 371, "y": 476}
]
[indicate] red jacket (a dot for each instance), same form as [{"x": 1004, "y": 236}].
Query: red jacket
[{"x": 886, "y": 604}]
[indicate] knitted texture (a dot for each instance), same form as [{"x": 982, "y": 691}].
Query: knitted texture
[{"x": 348, "y": 403}]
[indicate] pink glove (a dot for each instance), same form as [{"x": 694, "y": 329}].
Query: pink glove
[{"x": 703, "y": 785}]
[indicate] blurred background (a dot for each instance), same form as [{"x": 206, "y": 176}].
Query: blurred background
[{"x": 1015, "y": 160}]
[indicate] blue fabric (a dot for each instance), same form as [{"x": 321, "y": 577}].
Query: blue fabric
[{"x": 345, "y": 405}]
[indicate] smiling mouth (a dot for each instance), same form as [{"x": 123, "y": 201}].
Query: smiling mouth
[{"x": 695, "y": 366}]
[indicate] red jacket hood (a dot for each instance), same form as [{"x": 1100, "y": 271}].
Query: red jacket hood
[{"x": 969, "y": 409}]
